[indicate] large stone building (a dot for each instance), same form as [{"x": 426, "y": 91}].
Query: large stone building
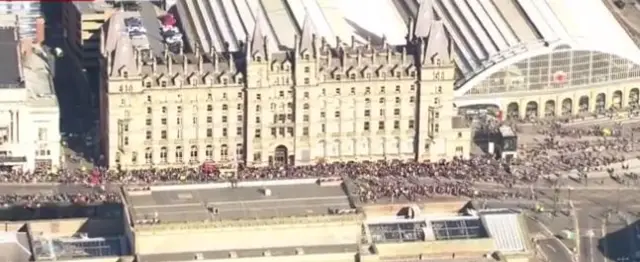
[
  {"x": 29, "y": 113},
  {"x": 82, "y": 22},
  {"x": 316, "y": 101}
]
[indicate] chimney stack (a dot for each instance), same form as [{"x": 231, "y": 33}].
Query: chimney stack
[{"x": 40, "y": 31}]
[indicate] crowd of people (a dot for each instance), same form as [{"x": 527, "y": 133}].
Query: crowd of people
[
  {"x": 38, "y": 200},
  {"x": 556, "y": 149}
]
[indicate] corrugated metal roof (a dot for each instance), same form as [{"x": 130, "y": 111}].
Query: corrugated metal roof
[{"x": 505, "y": 230}]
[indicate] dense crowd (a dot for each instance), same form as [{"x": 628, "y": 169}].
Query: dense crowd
[
  {"x": 42, "y": 199},
  {"x": 556, "y": 148}
]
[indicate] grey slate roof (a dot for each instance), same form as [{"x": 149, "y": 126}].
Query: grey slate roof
[{"x": 10, "y": 75}]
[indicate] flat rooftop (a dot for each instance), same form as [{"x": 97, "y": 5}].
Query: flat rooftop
[
  {"x": 249, "y": 253},
  {"x": 181, "y": 203},
  {"x": 10, "y": 76},
  {"x": 93, "y": 7}
]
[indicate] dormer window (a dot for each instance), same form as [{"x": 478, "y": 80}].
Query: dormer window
[
  {"x": 352, "y": 76},
  {"x": 225, "y": 81},
  {"x": 163, "y": 83},
  {"x": 338, "y": 77},
  {"x": 125, "y": 74},
  {"x": 307, "y": 57},
  {"x": 147, "y": 83},
  {"x": 208, "y": 80},
  {"x": 368, "y": 75},
  {"x": 412, "y": 73},
  {"x": 240, "y": 80},
  {"x": 193, "y": 81},
  {"x": 438, "y": 62},
  {"x": 258, "y": 58},
  {"x": 398, "y": 74},
  {"x": 286, "y": 68}
]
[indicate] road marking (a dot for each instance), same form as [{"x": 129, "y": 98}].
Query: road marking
[
  {"x": 605, "y": 245},
  {"x": 169, "y": 205},
  {"x": 591, "y": 247}
]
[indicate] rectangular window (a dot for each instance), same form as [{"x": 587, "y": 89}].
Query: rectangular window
[
  {"x": 366, "y": 126},
  {"x": 305, "y": 131},
  {"x": 381, "y": 125},
  {"x": 209, "y": 132}
]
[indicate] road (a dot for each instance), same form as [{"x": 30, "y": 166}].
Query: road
[{"x": 608, "y": 227}]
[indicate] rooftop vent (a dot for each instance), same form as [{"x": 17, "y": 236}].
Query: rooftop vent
[
  {"x": 266, "y": 253},
  {"x": 233, "y": 254},
  {"x": 266, "y": 192},
  {"x": 299, "y": 251},
  {"x": 198, "y": 256}
]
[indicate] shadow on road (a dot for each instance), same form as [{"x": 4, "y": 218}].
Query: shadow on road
[
  {"x": 75, "y": 88},
  {"x": 621, "y": 245}
]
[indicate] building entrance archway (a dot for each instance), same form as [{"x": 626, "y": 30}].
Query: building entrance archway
[
  {"x": 583, "y": 104},
  {"x": 601, "y": 102},
  {"x": 617, "y": 99},
  {"x": 281, "y": 155},
  {"x": 513, "y": 111},
  {"x": 550, "y": 108},
  {"x": 567, "y": 107},
  {"x": 634, "y": 96},
  {"x": 532, "y": 109}
]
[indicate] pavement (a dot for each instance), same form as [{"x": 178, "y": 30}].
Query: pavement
[{"x": 606, "y": 221}]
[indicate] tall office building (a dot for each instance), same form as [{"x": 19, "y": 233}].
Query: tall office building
[{"x": 27, "y": 12}]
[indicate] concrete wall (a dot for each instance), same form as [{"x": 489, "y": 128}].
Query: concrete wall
[
  {"x": 485, "y": 245},
  {"x": 444, "y": 207},
  {"x": 67, "y": 227},
  {"x": 340, "y": 257},
  {"x": 11, "y": 226},
  {"x": 246, "y": 238},
  {"x": 101, "y": 259}
]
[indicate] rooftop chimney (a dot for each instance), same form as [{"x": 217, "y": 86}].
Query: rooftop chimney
[{"x": 40, "y": 30}]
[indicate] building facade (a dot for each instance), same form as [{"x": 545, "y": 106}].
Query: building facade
[
  {"x": 302, "y": 106},
  {"x": 28, "y": 12},
  {"x": 29, "y": 113},
  {"x": 82, "y": 23}
]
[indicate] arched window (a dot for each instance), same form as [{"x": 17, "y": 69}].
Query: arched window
[
  {"x": 163, "y": 155},
  {"x": 224, "y": 152},
  {"x": 194, "y": 153},
  {"x": 148, "y": 155},
  {"x": 179, "y": 154},
  {"x": 209, "y": 152}
]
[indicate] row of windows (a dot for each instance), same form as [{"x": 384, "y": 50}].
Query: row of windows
[
  {"x": 274, "y": 131},
  {"x": 179, "y": 154}
]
